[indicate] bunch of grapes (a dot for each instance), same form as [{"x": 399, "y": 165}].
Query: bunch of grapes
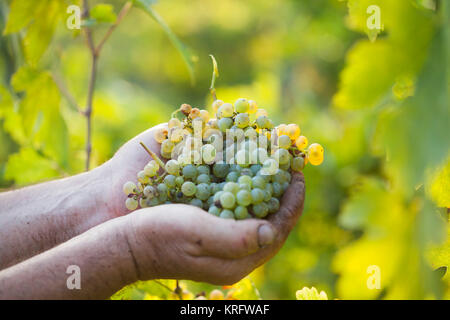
[{"x": 235, "y": 166}]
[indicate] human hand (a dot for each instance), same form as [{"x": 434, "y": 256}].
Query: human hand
[
  {"x": 122, "y": 168},
  {"x": 184, "y": 242}
]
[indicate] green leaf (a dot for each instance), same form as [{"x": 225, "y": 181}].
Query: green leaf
[
  {"x": 28, "y": 166},
  {"x": 40, "y": 32},
  {"x": 20, "y": 15},
  {"x": 103, "y": 13},
  {"x": 6, "y": 102},
  {"x": 416, "y": 134},
  {"x": 39, "y": 114},
  {"x": 185, "y": 53}
]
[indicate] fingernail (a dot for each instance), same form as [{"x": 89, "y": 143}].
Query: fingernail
[{"x": 266, "y": 235}]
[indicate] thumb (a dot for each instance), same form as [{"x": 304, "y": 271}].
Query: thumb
[{"x": 233, "y": 239}]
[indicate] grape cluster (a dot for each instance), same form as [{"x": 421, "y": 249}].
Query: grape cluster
[{"x": 235, "y": 166}]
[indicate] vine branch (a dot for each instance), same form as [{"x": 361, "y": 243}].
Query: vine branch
[{"x": 95, "y": 52}]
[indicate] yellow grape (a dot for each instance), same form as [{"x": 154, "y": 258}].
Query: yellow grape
[
  {"x": 301, "y": 142},
  {"x": 315, "y": 154},
  {"x": 216, "y": 104},
  {"x": 216, "y": 295},
  {"x": 261, "y": 112},
  {"x": 174, "y": 122},
  {"x": 281, "y": 129},
  {"x": 176, "y": 135},
  {"x": 186, "y": 108},
  {"x": 204, "y": 115},
  {"x": 161, "y": 135},
  {"x": 293, "y": 131},
  {"x": 195, "y": 113},
  {"x": 253, "y": 107}
]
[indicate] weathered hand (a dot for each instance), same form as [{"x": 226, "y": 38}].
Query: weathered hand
[
  {"x": 184, "y": 242},
  {"x": 125, "y": 164}
]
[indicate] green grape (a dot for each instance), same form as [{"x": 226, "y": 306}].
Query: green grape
[
  {"x": 232, "y": 176},
  {"x": 179, "y": 181},
  {"x": 173, "y": 167},
  {"x": 162, "y": 188},
  {"x": 225, "y": 124},
  {"x": 150, "y": 170},
  {"x": 220, "y": 170},
  {"x": 131, "y": 204},
  {"x": 214, "y": 210},
  {"x": 287, "y": 165},
  {"x": 274, "y": 205},
  {"x": 247, "y": 172},
  {"x": 210, "y": 201},
  {"x": 259, "y": 155},
  {"x": 258, "y": 182},
  {"x": 227, "y": 200},
  {"x": 298, "y": 163},
  {"x": 149, "y": 191},
  {"x": 162, "y": 197},
  {"x": 232, "y": 187},
  {"x": 244, "y": 198},
  {"x": 242, "y": 120},
  {"x": 245, "y": 180},
  {"x": 208, "y": 153},
  {"x": 244, "y": 186},
  {"x": 267, "y": 196},
  {"x": 143, "y": 202},
  {"x": 241, "y": 105},
  {"x": 217, "y": 196},
  {"x": 270, "y": 167},
  {"x": 257, "y": 195},
  {"x": 279, "y": 177},
  {"x": 167, "y": 146},
  {"x": 261, "y": 122},
  {"x": 215, "y": 187},
  {"x": 129, "y": 188},
  {"x": 269, "y": 189},
  {"x": 285, "y": 185},
  {"x": 197, "y": 203},
  {"x": 236, "y": 168},
  {"x": 225, "y": 111},
  {"x": 284, "y": 141},
  {"x": 202, "y": 192},
  {"x": 241, "y": 213},
  {"x": 255, "y": 168},
  {"x": 189, "y": 171},
  {"x": 277, "y": 189},
  {"x": 142, "y": 178},
  {"x": 203, "y": 178},
  {"x": 188, "y": 188},
  {"x": 203, "y": 169},
  {"x": 260, "y": 210},
  {"x": 242, "y": 158},
  {"x": 227, "y": 214},
  {"x": 282, "y": 156},
  {"x": 169, "y": 180},
  {"x": 153, "y": 202}
]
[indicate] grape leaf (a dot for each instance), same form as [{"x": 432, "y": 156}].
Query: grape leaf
[
  {"x": 28, "y": 166},
  {"x": 20, "y": 15}
]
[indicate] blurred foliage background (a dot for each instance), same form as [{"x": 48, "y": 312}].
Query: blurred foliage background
[{"x": 377, "y": 100}]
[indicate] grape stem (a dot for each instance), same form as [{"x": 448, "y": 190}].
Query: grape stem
[
  {"x": 154, "y": 156},
  {"x": 215, "y": 74}
]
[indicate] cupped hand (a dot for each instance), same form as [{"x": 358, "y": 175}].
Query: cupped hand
[
  {"x": 124, "y": 166},
  {"x": 184, "y": 242}
]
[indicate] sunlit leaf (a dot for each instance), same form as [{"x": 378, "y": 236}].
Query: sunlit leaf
[{"x": 28, "y": 166}]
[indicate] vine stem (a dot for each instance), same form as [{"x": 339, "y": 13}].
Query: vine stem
[
  {"x": 95, "y": 52},
  {"x": 215, "y": 74}
]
